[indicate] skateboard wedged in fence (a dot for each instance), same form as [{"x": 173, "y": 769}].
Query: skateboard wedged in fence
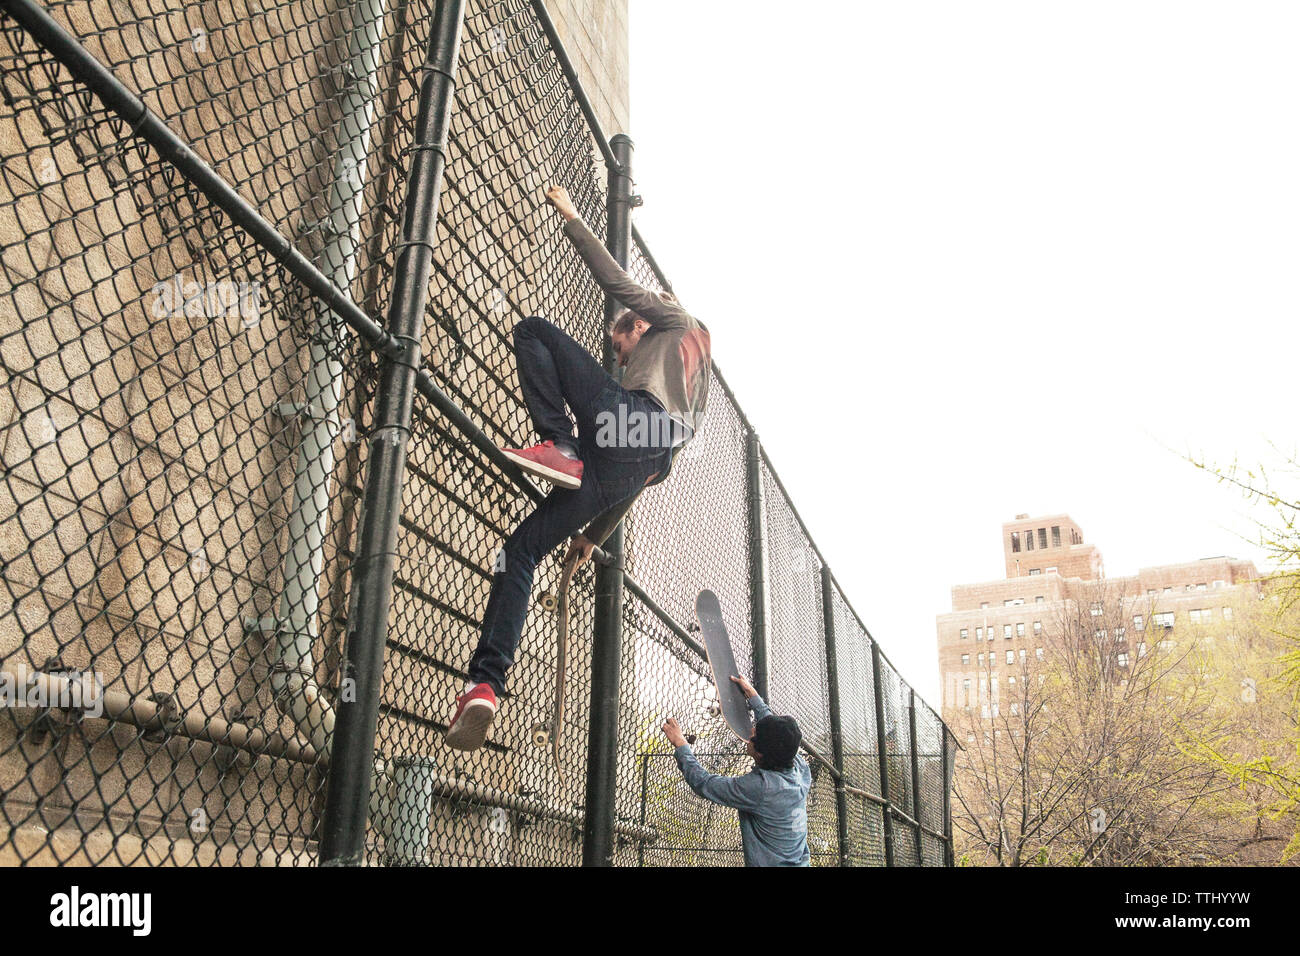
[
  {"x": 543, "y": 732},
  {"x": 722, "y": 662}
]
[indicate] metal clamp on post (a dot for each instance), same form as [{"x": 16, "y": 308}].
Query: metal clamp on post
[{"x": 167, "y": 718}]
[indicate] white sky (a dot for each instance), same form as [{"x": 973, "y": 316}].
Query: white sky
[{"x": 963, "y": 260}]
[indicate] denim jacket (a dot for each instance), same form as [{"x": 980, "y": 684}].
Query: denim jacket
[{"x": 772, "y": 803}]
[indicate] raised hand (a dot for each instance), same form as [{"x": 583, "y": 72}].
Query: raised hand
[{"x": 558, "y": 197}]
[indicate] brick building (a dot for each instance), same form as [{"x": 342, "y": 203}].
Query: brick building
[{"x": 1049, "y": 568}]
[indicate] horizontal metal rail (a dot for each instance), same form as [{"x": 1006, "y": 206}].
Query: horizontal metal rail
[{"x": 163, "y": 716}]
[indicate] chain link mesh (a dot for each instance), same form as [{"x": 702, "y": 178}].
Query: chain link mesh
[{"x": 184, "y": 450}]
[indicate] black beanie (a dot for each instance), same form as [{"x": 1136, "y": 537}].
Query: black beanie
[{"x": 777, "y": 740}]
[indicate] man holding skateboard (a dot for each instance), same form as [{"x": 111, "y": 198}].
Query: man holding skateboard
[
  {"x": 629, "y": 432},
  {"x": 772, "y": 798}
]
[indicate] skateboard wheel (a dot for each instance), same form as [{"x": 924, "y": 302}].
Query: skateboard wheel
[
  {"x": 540, "y": 734},
  {"x": 714, "y": 710},
  {"x": 549, "y": 602}
]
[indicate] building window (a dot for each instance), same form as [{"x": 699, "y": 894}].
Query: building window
[
  {"x": 965, "y": 687},
  {"x": 1200, "y": 615},
  {"x": 1096, "y": 609},
  {"x": 1139, "y": 622},
  {"x": 1119, "y": 635},
  {"x": 1163, "y": 619},
  {"x": 1022, "y": 657},
  {"x": 1099, "y": 634},
  {"x": 1169, "y": 591},
  {"x": 1227, "y": 614},
  {"x": 1042, "y": 538},
  {"x": 1202, "y": 586},
  {"x": 1220, "y": 584},
  {"x": 1011, "y": 657},
  {"x": 1035, "y": 570},
  {"x": 1029, "y": 540},
  {"x": 1165, "y": 645},
  {"x": 1015, "y": 542},
  {"x": 1122, "y": 659},
  {"x": 1056, "y": 536},
  {"x": 965, "y": 658},
  {"x": 1039, "y": 599},
  {"x": 965, "y": 633},
  {"x": 1151, "y": 592},
  {"x": 979, "y": 633},
  {"x": 983, "y": 605},
  {"x": 1038, "y": 628},
  {"x": 1142, "y": 648},
  {"x": 1020, "y": 629},
  {"x": 1015, "y": 708},
  {"x": 1038, "y": 652},
  {"x": 981, "y": 659},
  {"x": 1006, "y": 631}
]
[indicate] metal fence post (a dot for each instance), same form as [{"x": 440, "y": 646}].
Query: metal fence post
[
  {"x": 343, "y": 827},
  {"x": 916, "y": 777},
  {"x": 757, "y": 560},
  {"x": 883, "y": 752},
  {"x": 607, "y": 632},
  {"x": 837, "y": 735},
  {"x": 949, "y": 849}
]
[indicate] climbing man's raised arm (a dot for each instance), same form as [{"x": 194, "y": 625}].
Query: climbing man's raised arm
[{"x": 609, "y": 274}]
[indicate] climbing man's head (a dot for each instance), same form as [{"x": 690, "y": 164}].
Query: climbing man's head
[
  {"x": 775, "y": 743},
  {"x": 628, "y": 327},
  {"x": 625, "y": 332}
]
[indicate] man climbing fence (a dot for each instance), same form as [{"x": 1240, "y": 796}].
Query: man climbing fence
[{"x": 629, "y": 431}]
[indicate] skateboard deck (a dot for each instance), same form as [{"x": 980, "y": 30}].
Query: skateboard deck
[
  {"x": 549, "y": 733},
  {"x": 722, "y": 661}
]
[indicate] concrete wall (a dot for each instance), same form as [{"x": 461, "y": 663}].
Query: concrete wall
[{"x": 595, "y": 33}]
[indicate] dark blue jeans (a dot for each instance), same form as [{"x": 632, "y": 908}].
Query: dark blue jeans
[{"x": 555, "y": 370}]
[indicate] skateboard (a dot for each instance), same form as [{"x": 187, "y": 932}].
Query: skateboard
[
  {"x": 722, "y": 661},
  {"x": 544, "y": 733}
]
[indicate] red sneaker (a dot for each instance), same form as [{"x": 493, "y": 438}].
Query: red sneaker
[
  {"x": 547, "y": 461},
  {"x": 475, "y": 710}
]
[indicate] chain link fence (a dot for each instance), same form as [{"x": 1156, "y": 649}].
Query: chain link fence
[{"x": 190, "y": 327}]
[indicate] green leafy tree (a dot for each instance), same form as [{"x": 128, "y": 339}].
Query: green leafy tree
[{"x": 1260, "y": 748}]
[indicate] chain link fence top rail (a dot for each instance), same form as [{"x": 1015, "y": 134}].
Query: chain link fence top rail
[{"x": 184, "y": 448}]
